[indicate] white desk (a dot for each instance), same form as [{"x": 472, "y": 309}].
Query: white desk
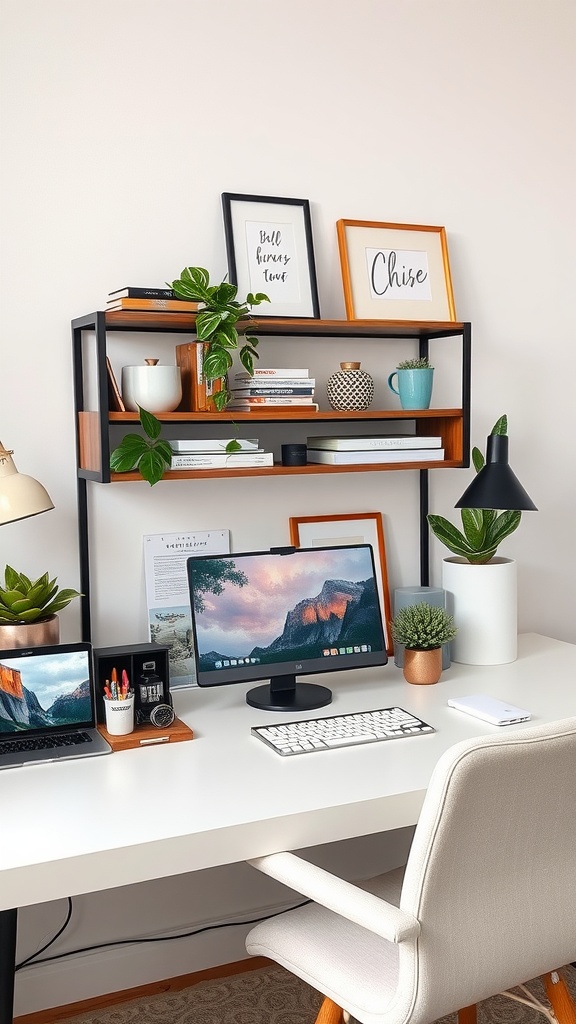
[{"x": 84, "y": 826}]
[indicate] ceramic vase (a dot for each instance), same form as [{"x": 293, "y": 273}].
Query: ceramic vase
[
  {"x": 350, "y": 388},
  {"x": 153, "y": 387},
  {"x": 483, "y": 600},
  {"x": 422, "y": 667}
]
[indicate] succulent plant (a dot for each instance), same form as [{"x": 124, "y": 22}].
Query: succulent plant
[
  {"x": 24, "y": 600},
  {"x": 422, "y": 626},
  {"x": 483, "y": 529},
  {"x": 414, "y": 364}
]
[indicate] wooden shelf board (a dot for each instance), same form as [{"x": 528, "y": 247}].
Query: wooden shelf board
[
  {"x": 296, "y": 414},
  {"x": 286, "y": 326},
  {"x": 279, "y": 470}
]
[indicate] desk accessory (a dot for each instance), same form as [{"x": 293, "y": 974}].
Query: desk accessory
[
  {"x": 148, "y": 736},
  {"x": 119, "y": 714},
  {"x": 145, "y": 667},
  {"x": 294, "y": 455},
  {"x": 353, "y": 730},
  {"x": 490, "y": 709}
]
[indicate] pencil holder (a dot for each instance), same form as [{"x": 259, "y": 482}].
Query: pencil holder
[{"x": 119, "y": 715}]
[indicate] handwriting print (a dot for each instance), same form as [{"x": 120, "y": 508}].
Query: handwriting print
[
  {"x": 398, "y": 274},
  {"x": 273, "y": 260}
]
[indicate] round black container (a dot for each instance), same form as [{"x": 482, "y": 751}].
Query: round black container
[{"x": 294, "y": 455}]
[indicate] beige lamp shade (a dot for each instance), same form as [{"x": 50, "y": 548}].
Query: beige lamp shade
[{"x": 20, "y": 496}]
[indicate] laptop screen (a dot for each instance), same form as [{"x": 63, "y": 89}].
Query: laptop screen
[{"x": 46, "y": 688}]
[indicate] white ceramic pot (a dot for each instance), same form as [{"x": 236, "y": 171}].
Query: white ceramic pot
[
  {"x": 484, "y": 602},
  {"x": 153, "y": 387}
]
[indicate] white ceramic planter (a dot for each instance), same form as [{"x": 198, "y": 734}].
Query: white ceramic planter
[
  {"x": 484, "y": 602},
  {"x": 155, "y": 388}
]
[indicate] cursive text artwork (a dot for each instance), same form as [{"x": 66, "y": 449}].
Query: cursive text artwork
[
  {"x": 272, "y": 260},
  {"x": 398, "y": 274}
]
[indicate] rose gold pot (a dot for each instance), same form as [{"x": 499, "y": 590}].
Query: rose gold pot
[
  {"x": 30, "y": 634},
  {"x": 423, "y": 667}
]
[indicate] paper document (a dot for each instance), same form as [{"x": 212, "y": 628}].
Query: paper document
[{"x": 167, "y": 596}]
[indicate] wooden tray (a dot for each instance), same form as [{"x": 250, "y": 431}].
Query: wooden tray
[{"x": 148, "y": 736}]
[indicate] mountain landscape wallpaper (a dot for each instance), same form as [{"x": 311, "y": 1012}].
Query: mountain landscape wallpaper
[
  {"x": 274, "y": 608},
  {"x": 37, "y": 692}
]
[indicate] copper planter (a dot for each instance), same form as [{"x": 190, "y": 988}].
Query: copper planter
[
  {"x": 30, "y": 634},
  {"x": 423, "y": 667}
]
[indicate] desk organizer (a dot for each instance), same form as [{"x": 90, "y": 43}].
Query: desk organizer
[
  {"x": 132, "y": 658},
  {"x": 149, "y": 736}
]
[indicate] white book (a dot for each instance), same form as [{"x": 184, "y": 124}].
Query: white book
[
  {"x": 263, "y": 400},
  {"x": 244, "y": 383},
  {"x": 374, "y": 457},
  {"x": 235, "y": 460},
  {"x": 368, "y": 442},
  {"x": 271, "y": 371},
  {"x": 193, "y": 445}
]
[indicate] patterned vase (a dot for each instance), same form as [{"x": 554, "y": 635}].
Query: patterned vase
[{"x": 350, "y": 388}]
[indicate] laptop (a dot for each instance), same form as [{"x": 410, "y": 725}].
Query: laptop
[{"x": 47, "y": 705}]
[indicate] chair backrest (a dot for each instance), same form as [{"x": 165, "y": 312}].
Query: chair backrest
[{"x": 491, "y": 873}]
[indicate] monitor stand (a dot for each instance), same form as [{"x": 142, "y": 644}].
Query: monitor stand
[{"x": 283, "y": 693}]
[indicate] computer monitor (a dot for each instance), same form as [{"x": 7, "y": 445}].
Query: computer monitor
[{"x": 283, "y": 613}]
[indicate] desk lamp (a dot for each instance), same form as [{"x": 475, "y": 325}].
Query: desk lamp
[
  {"x": 496, "y": 485},
  {"x": 20, "y": 496}
]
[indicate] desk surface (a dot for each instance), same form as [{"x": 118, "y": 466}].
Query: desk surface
[{"x": 83, "y": 826}]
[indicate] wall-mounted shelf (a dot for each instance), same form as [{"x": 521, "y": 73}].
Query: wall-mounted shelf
[{"x": 95, "y": 420}]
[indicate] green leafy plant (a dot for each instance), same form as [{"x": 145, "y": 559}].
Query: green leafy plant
[
  {"x": 151, "y": 455},
  {"x": 422, "y": 627},
  {"x": 220, "y": 321},
  {"x": 483, "y": 529},
  {"x": 414, "y": 364},
  {"x": 23, "y": 600}
]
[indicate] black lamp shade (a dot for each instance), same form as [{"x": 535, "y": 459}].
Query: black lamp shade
[{"x": 496, "y": 486}]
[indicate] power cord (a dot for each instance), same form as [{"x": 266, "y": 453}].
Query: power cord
[{"x": 34, "y": 958}]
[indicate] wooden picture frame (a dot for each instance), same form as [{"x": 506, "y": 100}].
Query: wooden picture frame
[
  {"x": 351, "y": 528},
  {"x": 395, "y": 271},
  {"x": 270, "y": 250}
]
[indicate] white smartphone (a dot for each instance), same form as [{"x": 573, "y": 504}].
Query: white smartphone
[{"x": 489, "y": 709}]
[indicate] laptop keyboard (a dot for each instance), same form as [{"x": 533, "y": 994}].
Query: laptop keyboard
[
  {"x": 341, "y": 731},
  {"x": 69, "y": 739}
]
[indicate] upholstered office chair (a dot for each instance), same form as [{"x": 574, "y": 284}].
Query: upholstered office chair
[{"x": 486, "y": 902}]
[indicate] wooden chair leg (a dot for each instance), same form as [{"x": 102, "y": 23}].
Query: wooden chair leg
[
  {"x": 330, "y": 1013},
  {"x": 559, "y": 998},
  {"x": 467, "y": 1015}
]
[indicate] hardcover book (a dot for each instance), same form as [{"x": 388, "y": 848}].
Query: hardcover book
[
  {"x": 234, "y": 460},
  {"x": 270, "y": 371},
  {"x": 154, "y": 305},
  {"x": 368, "y": 442},
  {"x": 192, "y": 446},
  {"x": 131, "y": 292},
  {"x": 374, "y": 457}
]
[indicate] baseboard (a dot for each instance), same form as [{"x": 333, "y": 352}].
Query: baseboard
[{"x": 61, "y": 1013}]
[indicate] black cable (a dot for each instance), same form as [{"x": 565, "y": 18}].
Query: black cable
[
  {"x": 50, "y": 941},
  {"x": 133, "y": 942}
]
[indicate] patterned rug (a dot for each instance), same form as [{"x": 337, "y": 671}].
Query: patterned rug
[{"x": 272, "y": 996}]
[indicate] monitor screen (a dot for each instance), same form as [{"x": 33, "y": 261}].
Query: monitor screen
[{"x": 284, "y": 613}]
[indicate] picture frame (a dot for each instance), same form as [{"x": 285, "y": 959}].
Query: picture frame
[
  {"x": 350, "y": 528},
  {"x": 270, "y": 249},
  {"x": 395, "y": 271}
]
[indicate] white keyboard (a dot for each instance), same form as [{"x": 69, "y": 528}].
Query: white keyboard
[{"x": 311, "y": 734}]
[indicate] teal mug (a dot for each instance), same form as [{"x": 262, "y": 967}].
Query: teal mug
[{"x": 414, "y": 387}]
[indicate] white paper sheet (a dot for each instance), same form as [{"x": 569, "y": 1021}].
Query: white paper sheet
[{"x": 167, "y": 596}]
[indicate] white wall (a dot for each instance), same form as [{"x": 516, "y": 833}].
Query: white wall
[{"x": 124, "y": 120}]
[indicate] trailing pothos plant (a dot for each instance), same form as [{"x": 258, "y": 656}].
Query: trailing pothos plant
[
  {"x": 150, "y": 455},
  {"x": 483, "y": 529},
  {"x": 220, "y": 320}
]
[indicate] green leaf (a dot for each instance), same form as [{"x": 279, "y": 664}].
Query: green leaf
[
  {"x": 217, "y": 362},
  {"x": 152, "y": 466},
  {"x": 207, "y": 323},
  {"x": 221, "y": 399},
  {"x": 503, "y": 526},
  {"x": 255, "y": 300},
  {"x": 478, "y": 459},
  {"x": 501, "y": 426},
  {"x": 150, "y": 424},
  {"x": 449, "y": 535},
  {"x": 224, "y": 293},
  {"x": 233, "y": 446},
  {"x": 474, "y": 527},
  {"x": 128, "y": 453}
]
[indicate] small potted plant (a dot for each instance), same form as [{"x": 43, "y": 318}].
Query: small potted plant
[
  {"x": 28, "y": 609},
  {"x": 422, "y": 629},
  {"x": 415, "y": 378},
  {"x": 219, "y": 322}
]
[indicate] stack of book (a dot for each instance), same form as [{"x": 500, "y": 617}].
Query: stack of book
[
  {"x": 210, "y": 453},
  {"x": 270, "y": 387},
  {"x": 377, "y": 449},
  {"x": 160, "y": 300}
]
